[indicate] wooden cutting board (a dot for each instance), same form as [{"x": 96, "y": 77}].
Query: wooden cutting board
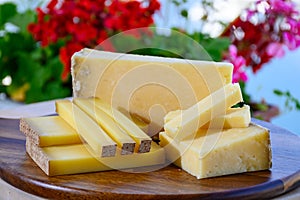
[{"x": 17, "y": 168}]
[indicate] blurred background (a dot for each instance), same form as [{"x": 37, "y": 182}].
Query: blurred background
[{"x": 260, "y": 37}]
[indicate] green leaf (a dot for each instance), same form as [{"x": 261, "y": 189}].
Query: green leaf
[
  {"x": 184, "y": 13},
  {"x": 7, "y": 10},
  {"x": 278, "y": 92},
  {"x": 22, "y": 20}
]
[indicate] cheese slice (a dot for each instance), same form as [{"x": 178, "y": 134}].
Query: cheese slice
[
  {"x": 146, "y": 86},
  {"x": 143, "y": 141},
  {"x": 233, "y": 118},
  {"x": 117, "y": 133},
  {"x": 74, "y": 159},
  {"x": 215, "y": 153},
  {"x": 201, "y": 113},
  {"x": 49, "y": 131},
  {"x": 87, "y": 128}
]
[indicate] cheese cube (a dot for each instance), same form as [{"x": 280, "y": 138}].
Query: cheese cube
[
  {"x": 215, "y": 153},
  {"x": 146, "y": 86}
]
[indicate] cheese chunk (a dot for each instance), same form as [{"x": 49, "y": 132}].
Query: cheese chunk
[
  {"x": 49, "y": 131},
  {"x": 146, "y": 86},
  {"x": 74, "y": 159},
  {"x": 216, "y": 153},
  {"x": 234, "y": 118},
  {"x": 98, "y": 108},
  {"x": 87, "y": 128},
  {"x": 201, "y": 113}
]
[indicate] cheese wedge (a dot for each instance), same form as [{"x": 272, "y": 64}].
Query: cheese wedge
[
  {"x": 97, "y": 108},
  {"x": 215, "y": 153},
  {"x": 117, "y": 133},
  {"x": 201, "y": 113},
  {"x": 87, "y": 128},
  {"x": 74, "y": 159},
  {"x": 49, "y": 131},
  {"x": 146, "y": 86},
  {"x": 233, "y": 118}
]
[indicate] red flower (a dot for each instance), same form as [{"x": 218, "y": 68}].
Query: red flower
[{"x": 87, "y": 23}]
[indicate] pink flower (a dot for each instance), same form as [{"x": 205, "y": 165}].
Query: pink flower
[
  {"x": 239, "y": 64},
  {"x": 282, "y": 6},
  {"x": 291, "y": 41},
  {"x": 275, "y": 50}
]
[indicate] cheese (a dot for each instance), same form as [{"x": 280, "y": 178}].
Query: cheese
[
  {"x": 215, "y": 153},
  {"x": 233, "y": 118},
  {"x": 87, "y": 128},
  {"x": 143, "y": 141},
  {"x": 201, "y": 113},
  {"x": 117, "y": 133},
  {"x": 146, "y": 86},
  {"x": 49, "y": 131},
  {"x": 74, "y": 159}
]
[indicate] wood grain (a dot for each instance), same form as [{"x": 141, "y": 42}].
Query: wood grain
[{"x": 17, "y": 169}]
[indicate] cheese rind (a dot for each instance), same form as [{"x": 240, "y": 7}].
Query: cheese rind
[
  {"x": 117, "y": 133},
  {"x": 74, "y": 159},
  {"x": 160, "y": 84},
  {"x": 202, "y": 112},
  {"x": 49, "y": 131},
  {"x": 143, "y": 141},
  {"x": 233, "y": 118},
  {"x": 215, "y": 153},
  {"x": 87, "y": 128}
]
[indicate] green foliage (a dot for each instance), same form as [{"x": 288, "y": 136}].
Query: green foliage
[
  {"x": 177, "y": 44},
  {"x": 290, "y": 102},
  {"x": 35, "y": 71}
]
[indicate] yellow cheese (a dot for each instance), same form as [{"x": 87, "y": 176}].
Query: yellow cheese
[
  {"x": 117, "y": 133},
  {"x": 146, "y": 86},
  {"x": 74, "y": 159},
  {"x": 234, "y": 118},
  {"x": 215, "y": 153},
  {"x": 143, "y": 141},
  {"x": 201, "y": 113},
  {"x": 87, "y": 128},
  {"x": 49, "y": 131}
]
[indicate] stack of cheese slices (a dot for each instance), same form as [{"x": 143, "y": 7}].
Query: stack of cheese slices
[
  {"x": 202, "y": 133},
  {"x": 88, "y": 135}
]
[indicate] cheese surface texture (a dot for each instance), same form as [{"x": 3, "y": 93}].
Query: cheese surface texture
[
  {"x": 203, "y": 112},
  {"x": 49, "y": 131},
  {"x": 97, "y": 107},
  {"x": 74, "y": 159},
  {"x": 87, "y": 128},
  {"x": 146, "y": 86},
  {"x": 215, "y": 153}
]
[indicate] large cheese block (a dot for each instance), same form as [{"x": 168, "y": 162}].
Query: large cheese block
[
  {"x": 146, "y": 86},
  {"x": 214, "y": 153},
  {"x": 78, "y": 158},
  {"x": 49, "y": 131},
  {"x": 203, "y": 112},
  {"x": 233, "y": 118}
]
